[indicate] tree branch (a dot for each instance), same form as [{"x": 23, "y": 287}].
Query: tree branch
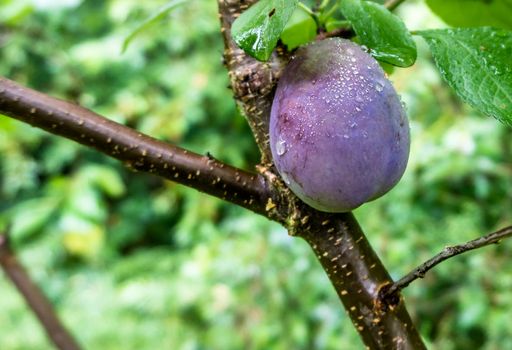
[
  {"x": 337, "y": 240},
  {"x": 357, "y": 274},
  {"x": 252, "y": 81},
  {"x": 390, "y": 292},
  {"x": 35, "y": 298},
  {"x": 138, "y": 151}
]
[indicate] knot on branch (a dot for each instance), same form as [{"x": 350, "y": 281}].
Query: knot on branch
[
  {"x": 283, "y": 206},
  {"x": 388, "y": 298},
  {"x": 255, "y": 80}
]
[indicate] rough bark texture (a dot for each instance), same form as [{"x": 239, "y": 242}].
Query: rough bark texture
[
  {"x": 252, "y": 81},
  {"x": 357, "y": 274}
]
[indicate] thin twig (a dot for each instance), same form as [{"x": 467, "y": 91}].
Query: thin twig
[
  {"x": 35, "y": 298},
  {"x": 138, "y": 151},
  {"x": 446, "y": 253},
  {"x": 393, "y": 4}
]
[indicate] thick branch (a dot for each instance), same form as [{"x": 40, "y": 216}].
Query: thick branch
[
  {"x": 252, "y": 81},
  {"x": 357, "y": 275},
  {"x": 35, "y": 298},
  {"x": 137, "y": 150},
  {"x": 445, "y": 254}
]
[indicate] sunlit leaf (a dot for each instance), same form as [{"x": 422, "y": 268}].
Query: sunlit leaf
[
  {"x": 257, "y": 30},
  {"x": 476, "y": 63},
  {"x": 474, "y": 13},
  {"x": 300, "y": 29},
  {"x": 381, "y": 31}
]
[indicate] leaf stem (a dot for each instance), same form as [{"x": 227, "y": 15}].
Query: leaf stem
[
  {"x": 393, "y": 4},
  {"x": 323, "y": 4},
  {"x": 328, "y": 13},
  {"x": 307, "y": 9}
]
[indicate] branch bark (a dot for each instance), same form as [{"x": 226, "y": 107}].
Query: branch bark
[
  {"x": 252, "y": 81},
  {"x": 138, "y": 151},
  {"x": 35, "y": 298},
  {"x": 358, "y": 275}
]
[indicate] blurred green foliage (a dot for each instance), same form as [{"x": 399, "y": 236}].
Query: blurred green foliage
[{"x": 133, "y": 262}]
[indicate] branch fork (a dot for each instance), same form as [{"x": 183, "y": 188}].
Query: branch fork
[{"x": 361, "y": 281}]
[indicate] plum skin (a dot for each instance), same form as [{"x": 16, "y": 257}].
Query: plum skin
[{"x": 339, "y": 134}]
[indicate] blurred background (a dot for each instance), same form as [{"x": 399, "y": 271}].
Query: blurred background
[{"x": 134, "y": 262}]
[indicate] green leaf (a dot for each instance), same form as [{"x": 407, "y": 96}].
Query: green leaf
[
  {"x": 107, "y": 179},
  {"x": 474, "y": 13},
  {"x": 157, "y": 16},
  {"x": 300, "y": 29},
  {"x": 257, "y": 30},
  {"x": 29, "y": 217},
  {"x": 381, "y": 31},
  {"x": 332, "y": 24},
  {"x": 476, "y": 63},
  {"x": 14, "y": 12},
  {"x": 80, "y": 236}
]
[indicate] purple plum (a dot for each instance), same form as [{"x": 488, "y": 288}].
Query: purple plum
[{"x": 339, "y": 134}]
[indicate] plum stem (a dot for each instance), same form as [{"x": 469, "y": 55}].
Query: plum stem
[{"x": 306, "y": 9}]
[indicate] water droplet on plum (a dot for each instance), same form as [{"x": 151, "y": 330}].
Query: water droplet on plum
[{"x": 281, "y": 147}]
